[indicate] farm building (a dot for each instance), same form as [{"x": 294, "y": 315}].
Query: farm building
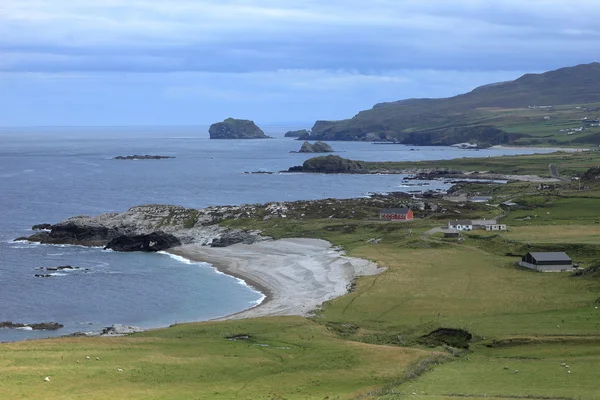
[
  {"x": 452, "y": 234},
  {"x": 482, "y": 223},
  {"x": 461, "y": 225},
  {"x": 547, "y": 262},
  {"x": 396, "y": 214}
]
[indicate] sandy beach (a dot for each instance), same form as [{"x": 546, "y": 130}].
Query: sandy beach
[{"x": 296, "y": 275}]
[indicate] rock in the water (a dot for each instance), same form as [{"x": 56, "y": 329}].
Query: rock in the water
[
  {"x": 74, "y": 232},
  {"x": 140, "y": 157},
  {"x": 236, "y": 129},
  {"x": 155, "y": 241},
  {"x": 233, "y": 237},
  {"x": 41, "y": 227},
  {"x": 118, "y": 330},
  {"x": 298, "y": 134},
  {"x": 41, "y": 326},
  {"x": 63, "y": 267},
  {"x": 330, "y": 165},
  {"x": 318, "y": 147}
]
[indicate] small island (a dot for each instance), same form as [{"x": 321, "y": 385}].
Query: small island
[
  {"x": 140, "y": 157},
  {"x": 317, "y": 147},
  {"x": 236, "y": 129},
  {"x": 297, "y": 134},
  {"x": 330, "y": 165}
]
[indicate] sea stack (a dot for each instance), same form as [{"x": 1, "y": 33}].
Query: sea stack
[
  {"x": 318, "y": 147},
  {"x": 236, "y": 129}
]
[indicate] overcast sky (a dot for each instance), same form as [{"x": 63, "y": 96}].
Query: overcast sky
[{"x": 149, "y": 62}]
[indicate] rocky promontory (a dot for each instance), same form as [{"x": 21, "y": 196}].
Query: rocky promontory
[
  {"x": 317, "y": 147},
  {"x": 236, "y": 129},
  {"x": 330, "y": 165},
  {"x": 297, "y": 134},
  {"x": 142, "y": 157},
  {"x": 147, "y": 228}
]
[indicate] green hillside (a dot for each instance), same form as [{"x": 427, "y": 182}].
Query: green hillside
[{"x": 535, "y": 109}]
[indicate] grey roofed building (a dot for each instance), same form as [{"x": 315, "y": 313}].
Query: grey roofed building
[
  {"x": 480, "y": 199},
  {"x": 461, "y": 222},
  {"x": 547, "y": 261},
  {"x": 461, "y": 225}
]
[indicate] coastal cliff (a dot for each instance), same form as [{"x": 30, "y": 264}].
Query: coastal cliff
[{"x": 236, "y": 129}]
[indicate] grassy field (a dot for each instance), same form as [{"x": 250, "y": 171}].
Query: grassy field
[
  {"x": 536, "y": 164},
  {"x": 285, "y": 358},
  {"x": 368, "y": 344},
  {"x": 540, "y": 374}
]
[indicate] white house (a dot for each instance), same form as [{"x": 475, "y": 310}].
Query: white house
[{"x": 461, "y": 225}]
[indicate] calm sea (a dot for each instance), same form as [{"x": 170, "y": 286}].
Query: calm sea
[{"x": 50, "y": 174}]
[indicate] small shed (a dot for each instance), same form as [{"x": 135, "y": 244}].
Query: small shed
[
  {"x": 396, "y": 214},
  {"x": 547, "y": 261},
  {"x": 480, "y": 199},
  {"x": 452, "y": 234}
]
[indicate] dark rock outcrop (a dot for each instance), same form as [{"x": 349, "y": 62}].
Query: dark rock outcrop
[
  {"x": 236, "y": 129},
  {"x": 41, "y": 326},
  {"x": 591, "y": 174},
  {"x": 41, "y": 227},
  {"x": 139, "y": 157},
  {"x": 318, "y": 147},
  {"x": 234, "y": 237},
  {"x": 70, "y": 232},
  {"x": 297, "y": 134},
  {"x": 458, "y": 338},
  {"x": 155, "y": 241},
  {"x": 330, "y": 165}
]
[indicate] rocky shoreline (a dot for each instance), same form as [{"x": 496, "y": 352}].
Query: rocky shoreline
[
  {"x": 148, "y": 228},
  {"x": 39, "y": 326}
]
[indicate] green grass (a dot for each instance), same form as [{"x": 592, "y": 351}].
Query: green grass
[
  {"x": 455, "y": 286},
  {"x": 286, "y": 358},
  {"x": 534, "y": 164},
  {"x": 540, "y": 374},
  {"x": 557, "y": 210}
]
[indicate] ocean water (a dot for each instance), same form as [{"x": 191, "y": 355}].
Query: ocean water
[{"x": 50, "y": 174}]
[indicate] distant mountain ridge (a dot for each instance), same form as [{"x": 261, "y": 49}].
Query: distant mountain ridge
[{"x": 441, "y": 120}]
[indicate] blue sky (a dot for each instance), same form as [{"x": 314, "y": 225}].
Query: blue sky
[{"x": 149, "y": 62}]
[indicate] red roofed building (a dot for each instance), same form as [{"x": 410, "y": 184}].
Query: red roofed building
[{"x": 396, "y": 214}]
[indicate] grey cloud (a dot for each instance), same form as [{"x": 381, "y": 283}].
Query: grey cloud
[{"x": 245, "y": 36}]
